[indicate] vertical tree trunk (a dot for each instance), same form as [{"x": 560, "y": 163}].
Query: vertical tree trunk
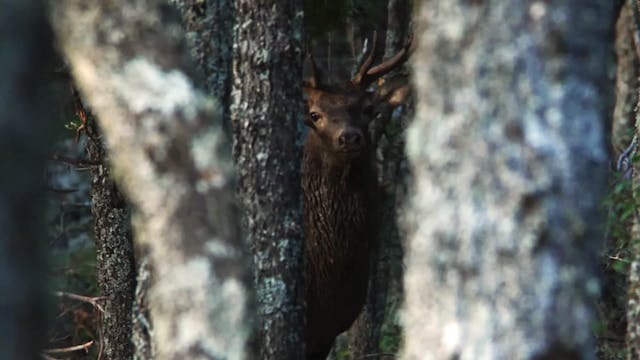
[
  {"x": 209, "y": 25},
  {"x": 267, "y": 108},
  {"x": 171, "y": 159},
  {"x": 507, "y": 149},
  {"x": 626, "y": 81},
  {"x": 115, "y": 264},
  {"x": 25, "y": 49}
]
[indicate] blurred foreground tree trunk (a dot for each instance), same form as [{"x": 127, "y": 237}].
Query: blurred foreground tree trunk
[
  {"x": 173, "y": 162},
  {"x": 266, "y": 110},
  {"x": 509, "y": 162},
  {"x": 25, "y": 49}
]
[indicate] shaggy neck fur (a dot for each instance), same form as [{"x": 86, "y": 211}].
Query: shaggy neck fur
[{"x": 338, "y": 206}]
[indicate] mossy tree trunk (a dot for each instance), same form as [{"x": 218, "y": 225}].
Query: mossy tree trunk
[
  {"x": 509, "y": 160},
  {"x": 266, "y": 110},
  {"x": 25, "y": 119},
  {"x": 172, "y": 161}
]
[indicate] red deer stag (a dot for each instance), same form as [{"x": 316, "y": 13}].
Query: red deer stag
[{"x": 339, "y": 192}]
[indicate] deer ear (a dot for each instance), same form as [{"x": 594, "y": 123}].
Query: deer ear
[{"x": 393, "y": 92}]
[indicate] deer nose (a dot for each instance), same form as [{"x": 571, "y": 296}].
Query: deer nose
[{"x": 349, "y": 139}]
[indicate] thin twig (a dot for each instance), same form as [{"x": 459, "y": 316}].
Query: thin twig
[
  {"x": 60, "y": 190},
  {"x": 389, "y": 355},
  {"x": 84, "y": 346},
  {"x": 74, "y": 162},
  {"x": 91, "y": 300},
  {"x": 616, "y": 258}
]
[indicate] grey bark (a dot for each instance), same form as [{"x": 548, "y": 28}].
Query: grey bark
[
  {"x": 24, "y": 137},
  {"x": 171, "y": 159},
  {"x": 509, "y": 164},
  {"x": 209, "y": 25},
  {"x": 141, "y": 324},
  {"x": 115, "y": 265},
  {"x": 266, "y": 110}
]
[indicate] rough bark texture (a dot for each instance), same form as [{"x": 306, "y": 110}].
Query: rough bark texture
[
  {"x": 141, "y": 325},
  {"x": 209, "y": 26},
  {"x": 509, "y": 163},
  {"x": 115, "y": 264},
  {"x": 24, "y": 137},
  {"x": 171, "y": 159},
  {"x": 267, "y": 108}
]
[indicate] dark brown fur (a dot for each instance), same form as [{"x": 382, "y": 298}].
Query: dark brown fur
[
  {"x": 339, "y": 192},
  {"x": 339, "y": 207}
]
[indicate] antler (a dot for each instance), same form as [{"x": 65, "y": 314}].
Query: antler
[
  {"x": 367, "y": 74},
  {"x": 366, "y": 64},
  {"x": 314, "y": 80}
]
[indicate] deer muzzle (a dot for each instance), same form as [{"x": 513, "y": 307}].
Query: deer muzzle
[{"x": 350, "y": 141}]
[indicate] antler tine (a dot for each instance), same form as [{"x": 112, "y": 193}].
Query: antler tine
[
  {"x": 398, "y": 59},
  {"x": 316, "y": 74},
  {"x": 366, "y": 64}
]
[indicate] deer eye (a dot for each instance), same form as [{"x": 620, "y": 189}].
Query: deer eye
[{"x": 314, "y": 116}]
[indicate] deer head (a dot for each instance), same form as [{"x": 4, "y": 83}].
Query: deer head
[{"x": 338, "y": 115}]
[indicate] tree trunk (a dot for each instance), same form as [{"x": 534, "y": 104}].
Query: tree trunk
[
  {"x": 209, "y": 25},
  {"x": 267, "y": 108},
  {"x": 509, "y": 163},
  {"x": 171, "y": 159},
  {"x": 115, "y": 264},
  {"x": 25, "y": 134},
  {"x": 141, "y": 324},
  {"x": 626, "y": 81}
]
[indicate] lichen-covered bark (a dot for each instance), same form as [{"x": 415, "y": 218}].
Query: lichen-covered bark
[
  {"x": 115, "y": 265},
  {"x": 509, "y": 161},
  {"x": 209, "y": 26},
  {"x": 172, "y": 161},
  {"x": 141, "y": 324},
  {"x": 24, "y": 136},
  {"x": 267, "y": 108}
]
